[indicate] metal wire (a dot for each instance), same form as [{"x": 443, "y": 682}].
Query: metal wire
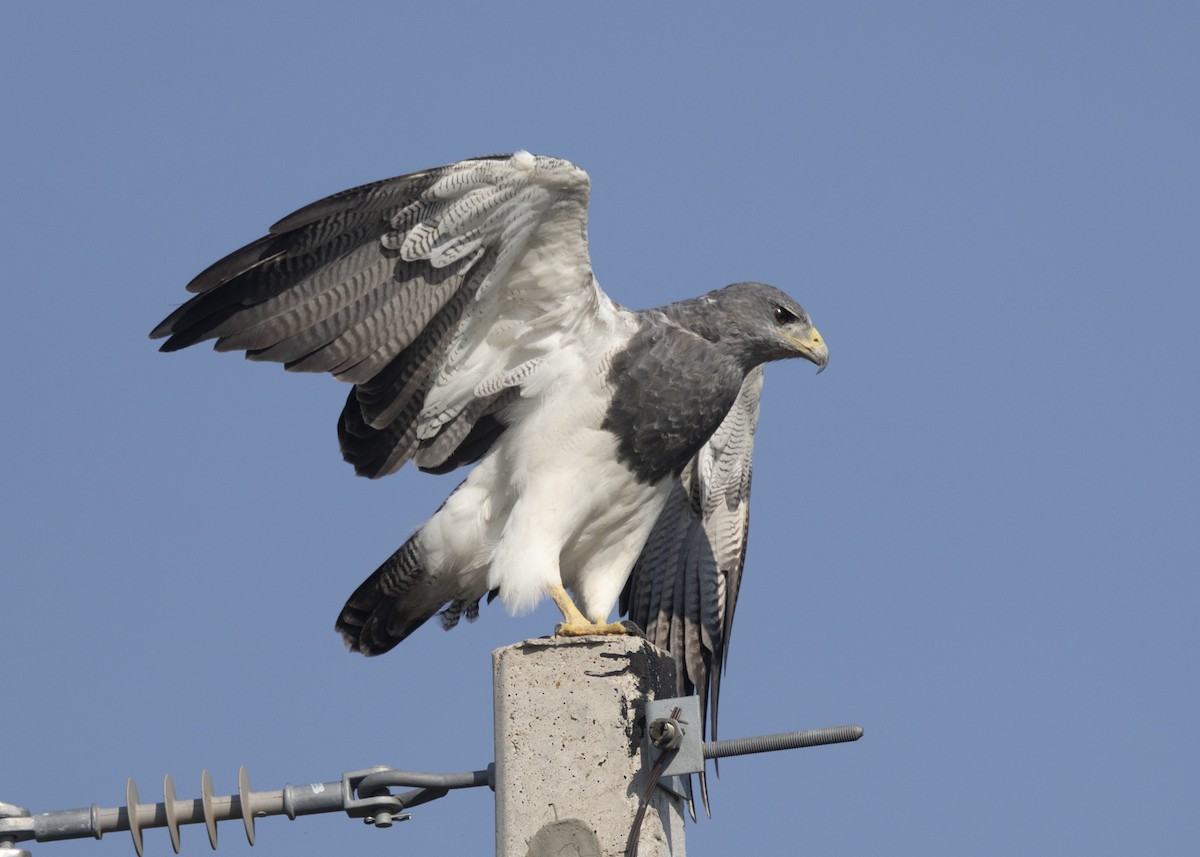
[{"x": 360, "y": 794}]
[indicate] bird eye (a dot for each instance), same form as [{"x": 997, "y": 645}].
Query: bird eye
[{"x": 782, "y": 316}]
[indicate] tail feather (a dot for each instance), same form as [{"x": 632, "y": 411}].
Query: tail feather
[{"x": 394, "y": 601}]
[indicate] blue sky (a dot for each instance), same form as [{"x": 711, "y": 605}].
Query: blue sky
[{"x": 975, "y": 534}]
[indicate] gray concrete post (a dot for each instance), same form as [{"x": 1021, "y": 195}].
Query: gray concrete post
[{"x": 569, "y": 772}]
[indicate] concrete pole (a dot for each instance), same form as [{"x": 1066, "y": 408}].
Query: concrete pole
[{"x": 569, "y": 770}]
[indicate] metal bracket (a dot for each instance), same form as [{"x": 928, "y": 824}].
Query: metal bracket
[{"x": 687, "y": 730}]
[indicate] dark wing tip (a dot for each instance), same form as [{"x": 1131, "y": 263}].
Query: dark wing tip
[
  {"x": 177, "y": 341},
  {"x": 360, "y": 633}
]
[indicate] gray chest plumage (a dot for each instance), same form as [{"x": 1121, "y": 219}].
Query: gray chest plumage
[{"x": 672, "y": 389}]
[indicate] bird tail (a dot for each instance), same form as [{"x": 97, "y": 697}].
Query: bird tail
[{"x": 399, "y": 597}]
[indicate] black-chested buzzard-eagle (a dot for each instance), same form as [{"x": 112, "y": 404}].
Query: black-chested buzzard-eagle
[{"x": 611, "y": 446}]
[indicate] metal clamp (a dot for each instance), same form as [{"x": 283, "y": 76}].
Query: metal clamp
[{"x": 13, "y": 819}]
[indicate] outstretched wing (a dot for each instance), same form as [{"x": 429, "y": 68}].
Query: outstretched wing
[
  {"x": 684, "y": 586},
  {"x": 436, "y": 294}
]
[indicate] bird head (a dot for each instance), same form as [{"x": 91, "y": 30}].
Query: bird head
[{"x": 764, "y": 324}]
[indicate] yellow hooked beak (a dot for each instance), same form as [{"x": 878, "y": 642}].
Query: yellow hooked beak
[{"x": 812, "y": 347}]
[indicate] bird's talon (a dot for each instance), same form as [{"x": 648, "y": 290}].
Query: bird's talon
[{"x": 633, "y": 629}]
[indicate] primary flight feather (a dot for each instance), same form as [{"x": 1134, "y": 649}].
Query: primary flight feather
[{"x": 611, "y": 446}]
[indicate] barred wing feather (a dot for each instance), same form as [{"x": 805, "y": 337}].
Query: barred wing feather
[{"x": 437, "y": 294}]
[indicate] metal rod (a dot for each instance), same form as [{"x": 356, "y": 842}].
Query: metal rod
[{"x": 781, "y": 741}]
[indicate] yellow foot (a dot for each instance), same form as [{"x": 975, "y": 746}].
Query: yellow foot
[
  {"x": 578, "y": 625},
  {"x": 586, "y": 629}
]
